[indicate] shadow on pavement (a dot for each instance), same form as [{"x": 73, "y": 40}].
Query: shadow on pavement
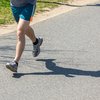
[{"x": 57, "y": 70}]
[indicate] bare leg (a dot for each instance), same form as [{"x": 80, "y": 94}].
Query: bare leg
[
  {"x": 21, "y": 29},
  {"x": 30, "y": 33},
  {"x": 36, "y": 41}
]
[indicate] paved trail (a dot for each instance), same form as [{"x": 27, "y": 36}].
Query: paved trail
[{"x": 68, "y": 67}]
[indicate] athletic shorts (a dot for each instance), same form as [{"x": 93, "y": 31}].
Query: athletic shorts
[{"x": 26, "y": 12}]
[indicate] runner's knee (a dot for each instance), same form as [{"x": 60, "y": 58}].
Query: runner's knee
[{"x": 20, "y": 33}]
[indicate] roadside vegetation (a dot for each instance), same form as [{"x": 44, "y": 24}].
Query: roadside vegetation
[{"x": 42, "y": 5}]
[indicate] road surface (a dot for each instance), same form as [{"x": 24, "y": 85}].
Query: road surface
[{"x": 68, "y": 67}]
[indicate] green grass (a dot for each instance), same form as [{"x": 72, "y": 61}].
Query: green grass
[
  {"x": 42, "y": 5},
  {"x": 5, "y": 12}
]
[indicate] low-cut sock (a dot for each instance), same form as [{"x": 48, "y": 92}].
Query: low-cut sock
[
  {"x": 16, "y": 62},
  {"x": 36, "y": 42}
]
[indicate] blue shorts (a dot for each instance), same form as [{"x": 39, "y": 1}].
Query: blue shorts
[{"x": 26, "y": 12}]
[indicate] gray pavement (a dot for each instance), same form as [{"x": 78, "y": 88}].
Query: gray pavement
[{"x": 68, "y": 67}]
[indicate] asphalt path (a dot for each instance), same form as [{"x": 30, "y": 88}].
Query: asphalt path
[{"x": 68, "y": 67}]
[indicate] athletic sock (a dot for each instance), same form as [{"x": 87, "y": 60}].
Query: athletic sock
[
  {"x": 36, "y": 42},
  {"x": 16, "y": 62}
]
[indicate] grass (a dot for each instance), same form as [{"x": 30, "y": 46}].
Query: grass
[
  {"x": 5, "y": 12},
  {"x": 42, "y": 5}
]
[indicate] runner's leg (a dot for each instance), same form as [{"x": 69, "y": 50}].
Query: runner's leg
[
  {"x": 22, "y": 27},
  {"x": 30, "y": 33}
]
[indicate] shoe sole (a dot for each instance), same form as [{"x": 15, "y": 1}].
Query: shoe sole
[
  {"x": 39, "y": 49},
  {"x": 10, "y": 68}
]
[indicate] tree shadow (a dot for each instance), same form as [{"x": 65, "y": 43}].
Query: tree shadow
[
  {"x": 67, "y": 4},
  {"x": 7, "y": 48},
  {"x": 57, "y": 70},
  {"x": 98, "y": 5},
  {"x": 58, "y": 3}
]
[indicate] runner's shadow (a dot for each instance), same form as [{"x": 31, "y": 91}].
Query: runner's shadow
[{"x": 56, "y": 70}]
